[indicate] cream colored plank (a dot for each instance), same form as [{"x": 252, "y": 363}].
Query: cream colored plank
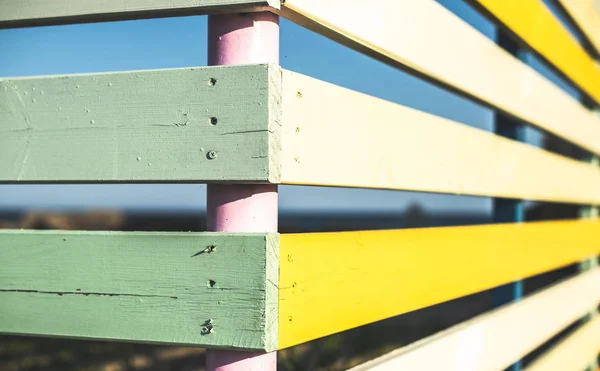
[
  {"x": 337, "y": 137},
  {"x": 574, "y": 353},
  {"x": 428, "y": 39},
  {"x": 494, "y": 340},
  {"x": 587, "y": 18}
]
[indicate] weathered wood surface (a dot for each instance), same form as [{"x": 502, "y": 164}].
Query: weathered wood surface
[
  {"x": 141, "y": 126},
  {"x": 574, "y": 353},
  {"x": 337, "y": 137},
  {"x": 427, "y": 39},
  {"x": 24, "y": 13},
  {"x": 587, "y": 17},
  {"x": 496, "y": 339},
  {"x": 534, "y": 23},
  {"x": 380, "y": 274},
  {"x": 141, "y": 286}
]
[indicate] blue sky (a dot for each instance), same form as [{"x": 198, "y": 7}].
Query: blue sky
[{"x": 181, "y": 42}]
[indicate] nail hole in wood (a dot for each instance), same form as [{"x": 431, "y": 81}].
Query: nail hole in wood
[
  {"x": 212, "y": 81},
  {"x": 213, "y": 121},
  {"x": 211, "y": 283}
]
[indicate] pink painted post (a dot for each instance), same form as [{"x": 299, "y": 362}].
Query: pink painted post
[{"x": 242, "y": 39}]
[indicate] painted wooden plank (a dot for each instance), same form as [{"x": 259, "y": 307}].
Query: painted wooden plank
[
  {"x": 586, "y": 17},
  {"x": 574, "y": 353},
  {"x": 494, "y": 340},
  {"x": 337, "y": 137},
  {"x": 190, "y": 124},
  {"x": 24, "y": 13},
  {"x": 331, "y": 282},
  {"x": 204, "y": 289},
  {"x": 427, "y": 39},
  {"x": 535, "y": 24}
]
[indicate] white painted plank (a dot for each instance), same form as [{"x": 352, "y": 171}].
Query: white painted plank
[
  {"x": 337, "y": 137},
  {"x": 493, "y": 341},
  {"x": 574, "y": 353},
  {"x": 428, "y": 39}
]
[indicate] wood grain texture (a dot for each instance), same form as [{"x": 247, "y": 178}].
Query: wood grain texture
[
  {"x": 141, "y": 126},
  {"x": 140, "y": 286},
  {"x": 427, "y": 39},
  {"x": 337, "y": 137},
  {"x": 494, "y": 340},
  {"x": 574, "y": 353},
  {"x": 586, "y": 17},
  {"x": 534, "y": 23},
  {"x": 25, "y": 13},
  {"x": 331, "y": 282}
]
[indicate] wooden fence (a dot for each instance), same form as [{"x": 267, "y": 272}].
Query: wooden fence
[{"x": 245, "y": 125}]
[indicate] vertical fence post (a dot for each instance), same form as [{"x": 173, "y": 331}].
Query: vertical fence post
[
  {"x": 242, "y": 39},
  {"x": 508, "y": 210}
]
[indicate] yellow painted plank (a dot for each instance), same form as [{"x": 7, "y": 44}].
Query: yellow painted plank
[
  {"x": 587, "y": 18},
  {"x": 494, "y": 340},
  {"x": 574, "y": 353},
  {"x": 337, "y": 137},
  {"x": 535, "y": 24},
  {"x": 331, "y": 282},
  {"x": 427, "y": 39}
]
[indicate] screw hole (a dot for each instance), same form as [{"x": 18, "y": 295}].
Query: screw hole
[
  {"x": 213, "y": 120},
  {"x": 208, "y": 329},
  {"x": 212, "y": 82},
  {"x": 211, "y": 283}
]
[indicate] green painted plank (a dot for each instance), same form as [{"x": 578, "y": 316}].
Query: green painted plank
[
  {"x": 141, "y": 286},
  {"x": 141, "y": 126},
  {"x": 25, "y": 13}
]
